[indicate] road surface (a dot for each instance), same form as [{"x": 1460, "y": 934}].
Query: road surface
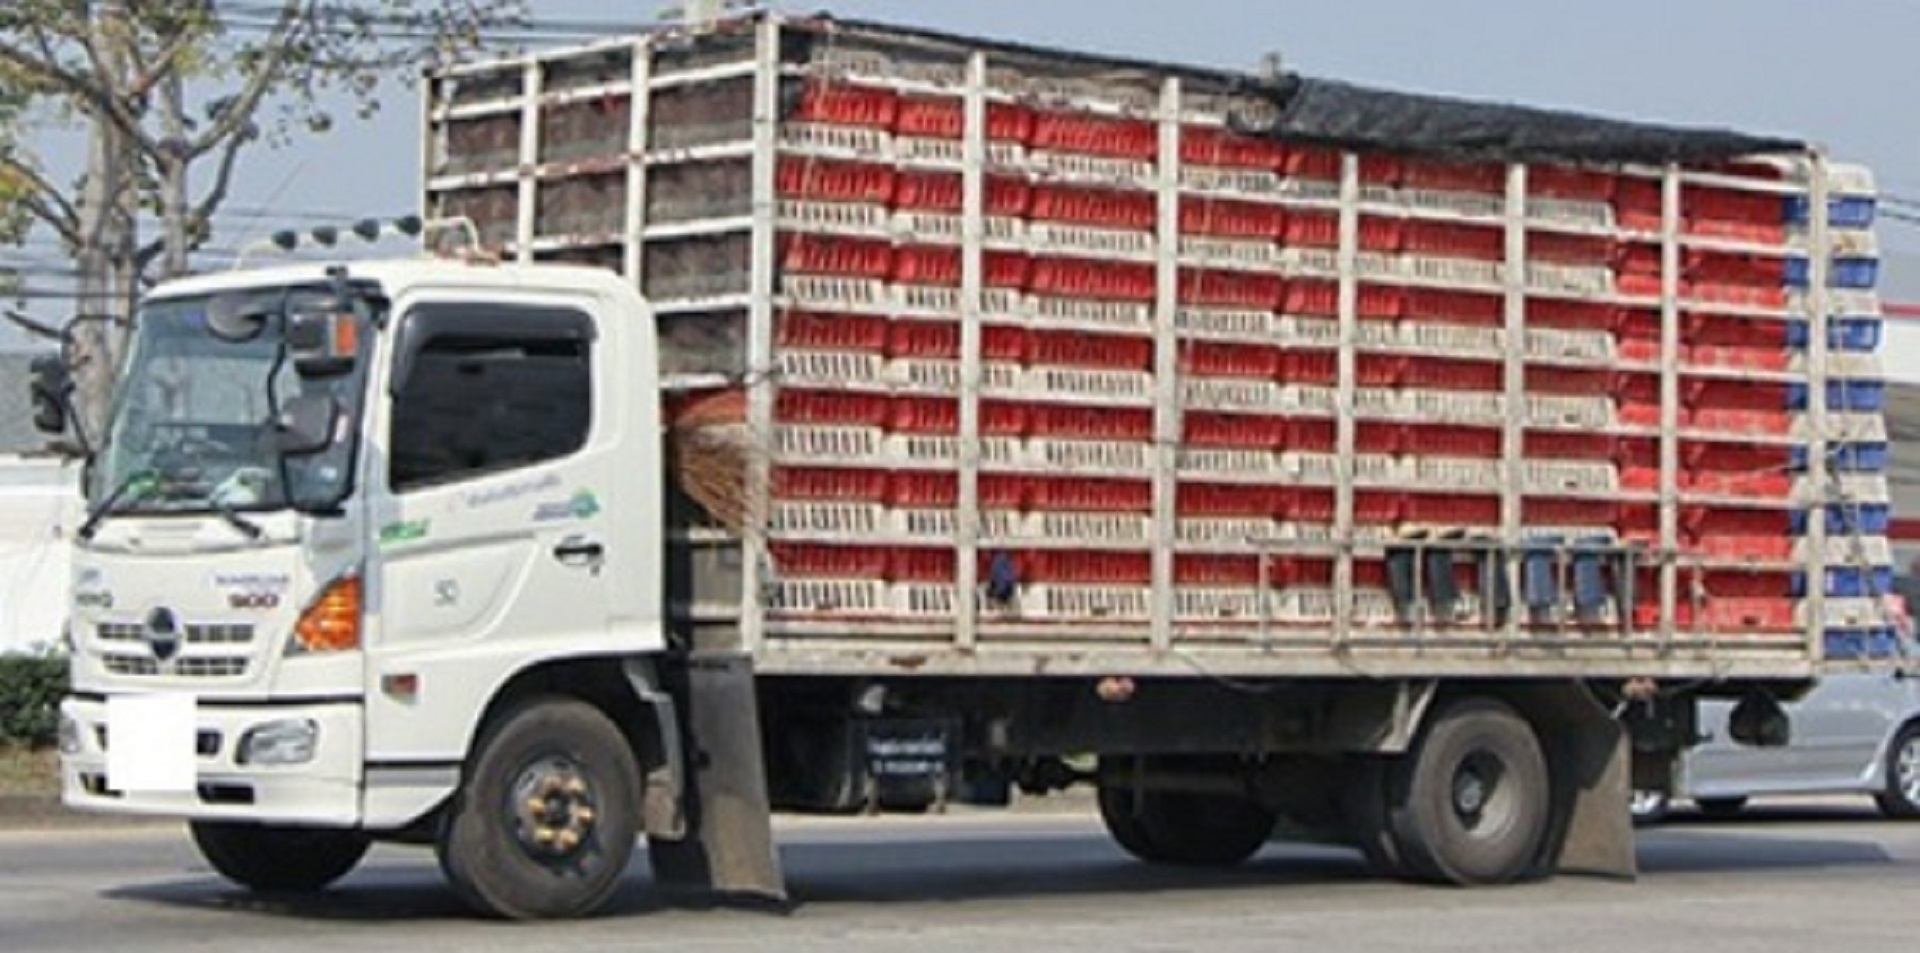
[{"x": 1836, "y": 878}]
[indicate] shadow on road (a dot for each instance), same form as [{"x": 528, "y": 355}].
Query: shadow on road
[
  {"x": 1691, "y": 842},
  {"x": 930, "y": 870}
]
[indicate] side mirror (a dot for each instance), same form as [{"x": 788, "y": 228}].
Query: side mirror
[
  {"x": 323, "y": 344},
  {"x": 51, "y": 387},
  {"x": 307, "y": 424}
]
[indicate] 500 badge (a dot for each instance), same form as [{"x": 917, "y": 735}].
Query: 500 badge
[{"x": 253, "y": 600}]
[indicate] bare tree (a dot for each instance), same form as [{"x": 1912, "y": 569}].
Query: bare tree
[{"x": 173, "y": 92}]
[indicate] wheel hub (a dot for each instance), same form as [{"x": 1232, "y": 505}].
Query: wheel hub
[
  {"x": 554, "y": 809},
  {"x": 1906, "y": 769}
]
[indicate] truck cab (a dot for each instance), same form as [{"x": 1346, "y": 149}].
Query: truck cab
[{"x": 334, "y": 514}]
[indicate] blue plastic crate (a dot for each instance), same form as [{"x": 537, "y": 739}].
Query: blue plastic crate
[
  {"x": 1867, "y": 519},
  {"x": 1843, "y": 334},
  {"x": 1850, "y": 582},
  {"x": 1849, "y": 457},
  {"x": 1843, "y": 211},
  {"x": 1849, "y": 395},
  {"x": 1860, "y": 274},
  {"x": 1850, "y": 644}
]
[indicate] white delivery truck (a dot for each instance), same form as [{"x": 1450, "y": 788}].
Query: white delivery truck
[{"x": 843, "y": 416}]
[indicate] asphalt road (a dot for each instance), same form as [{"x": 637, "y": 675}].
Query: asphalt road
[{"x": 1805, "y": 881}]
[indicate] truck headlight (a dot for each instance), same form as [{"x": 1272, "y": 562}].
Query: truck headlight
[{"x": 290, "y": 741}]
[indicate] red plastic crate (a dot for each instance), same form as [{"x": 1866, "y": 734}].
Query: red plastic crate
[
  {"x": 924, "y": 339},
  {"x": 916, "y": 564},
  {"x": 945, "y": 192},
  {"x": 1231, "y": 289},
  {"x": 814, "y": 560},
  {"x": 1639, "y": 460},
  {"x": 1311, "y": 367},
  {"x": 1077, "y": 278},
  {"x": 924, "y": 415},
  {"x": 1003, "y": 419},
  {"x": 1765, "y": 534},
  {"x": 1207, "y": 146},
  {"x": 828, "y": 483},
  {"x": 1451, "y": 509},
  {"x": 846, "y": 104},
  {"x": 1092, "y": 135},
  {"x": 1448, "y": 240},
  {"x": 945, "y": 117},
  {"x": 1380, "y": 370},
  {"x": 1311, "y": 162},
  {"x": 1197, "y": 569},
  {"x": 1450, "y": 441},
  {"x": 1075, "y": 349},
  {"x": 1083, "y": 495},
  {"x": 1737, "y": 469},
  {"x": 834, "y": 181},
  {"x": 1734, "y": 213},
  {"x": 1562, "y": 248},
  {"x": 1226, "y": 218},
  {"x": 1221, "y": 359},
  {"x": 1304, "y": 504},
  {"x": 1638, "y": 398},
  {"x": 1089, "y": 423},
  {"x": 1638, "y": 331},
  {"x": 830, "y": 407},
  {"x": 1569, "y": 381},
  {"x": 1453, "y": 307},
  {"x": 927, "y": 490},
  {"x": 805, "y": 330},
  {"x": 1575, "y": 315},
  {"x": 1313, "y": 436},
  {"x": 1737, "y": 406},
  {"x": 1545, "y": 511},
  {"x": 1090, "y": 567},
  {"x": 1637, "y": 204},
  {"x": 1209, "y": 499},
  {"x": 1558, "y": 445},
  {"x": 927, "y": 265},
  {"x": 1104, "y": 208},
  {"x": 1566, "y": 182},
  {"x": 1452, "y": 176},
  {"x": 1242, "y": 431},
  {"x": 829, "y": 255},
  {"x": 1374, "y": 508},
  {"x": 1462, "y": 375},
  {"x": 1761, "y": 615},
  {"x": 1315, "y": 299}
]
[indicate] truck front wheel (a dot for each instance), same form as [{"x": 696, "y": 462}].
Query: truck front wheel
[
  {"x": 1474, "y": 798},
  {"x": 1184, "y": 828},
  {"x": 546, "y": 819},
  {"x": 278, "y": 859}
]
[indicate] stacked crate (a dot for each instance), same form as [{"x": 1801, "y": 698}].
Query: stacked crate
[{"x": 1163, "y": 316}]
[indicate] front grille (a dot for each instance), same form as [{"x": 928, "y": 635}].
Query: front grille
[{"x": 195, "y": 659}]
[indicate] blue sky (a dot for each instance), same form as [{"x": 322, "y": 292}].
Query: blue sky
[{"x": 1835, "y": 72}]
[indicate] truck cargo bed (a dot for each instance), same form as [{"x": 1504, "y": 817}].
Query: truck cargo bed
[{"x": 1057, "y": 364}]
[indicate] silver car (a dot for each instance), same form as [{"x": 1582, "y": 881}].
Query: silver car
[{"x": 1854, "y": 733}]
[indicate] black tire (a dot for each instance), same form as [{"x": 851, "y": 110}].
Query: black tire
[
  {"x": 1721, "y": 807},
  {"x": 1474, "y": 798},
  {"x": 278, "y": 859},
  {"x": 1650, "y": 807},
  {"x": 546, "y": 818},
  {"x": 1182, "y": 828},
  {"x": 1901, "y": 799}
]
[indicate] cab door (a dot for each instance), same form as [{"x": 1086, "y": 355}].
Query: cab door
[{"x": 492, "y": 542}]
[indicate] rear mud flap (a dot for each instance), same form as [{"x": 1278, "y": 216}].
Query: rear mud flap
[
  {"x": 1591, "y": 760},
  {"x": 729, "y": 848}
]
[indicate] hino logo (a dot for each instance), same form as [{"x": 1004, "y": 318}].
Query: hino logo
[{"x": 163, "y": 634}]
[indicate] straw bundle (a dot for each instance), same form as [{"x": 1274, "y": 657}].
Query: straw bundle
[{"x": 711, "y": 456}]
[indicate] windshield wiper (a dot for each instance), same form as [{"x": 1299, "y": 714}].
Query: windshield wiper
[
  {"x": 246, "y": 526},
  {"x": 141, "y": 482}
]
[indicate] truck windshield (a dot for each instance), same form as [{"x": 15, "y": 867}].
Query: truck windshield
[{"x": 193, "y": 424}]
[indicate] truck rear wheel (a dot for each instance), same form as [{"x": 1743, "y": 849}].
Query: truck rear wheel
[
  {"x": 546, "y": 819},
  {"x": 1474, "y": 799},
  {"x": 278, "y": 859},
  {"x": 1184, "y": 828}
]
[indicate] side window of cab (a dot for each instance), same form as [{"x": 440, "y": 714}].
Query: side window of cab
[{"x": 484, "y": 389}]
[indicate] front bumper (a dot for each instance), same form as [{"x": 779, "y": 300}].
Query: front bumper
[{"x": 324, "y": 791}]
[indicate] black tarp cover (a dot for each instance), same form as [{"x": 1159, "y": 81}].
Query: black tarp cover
[{"x": 1341, "y": 114}]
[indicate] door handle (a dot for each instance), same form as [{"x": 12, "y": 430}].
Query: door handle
[{"x": 579, "y": 551}]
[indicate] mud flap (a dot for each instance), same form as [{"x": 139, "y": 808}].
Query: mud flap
[
  {"x": 728, "y": 848},
  {"x": 1590, "y": 759}
]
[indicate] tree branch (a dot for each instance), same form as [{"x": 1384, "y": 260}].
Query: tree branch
[
  {"x": 44, "y": 201},
  {"x": 266, "y": 74},
  {"x": 201, "y": 220}
]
